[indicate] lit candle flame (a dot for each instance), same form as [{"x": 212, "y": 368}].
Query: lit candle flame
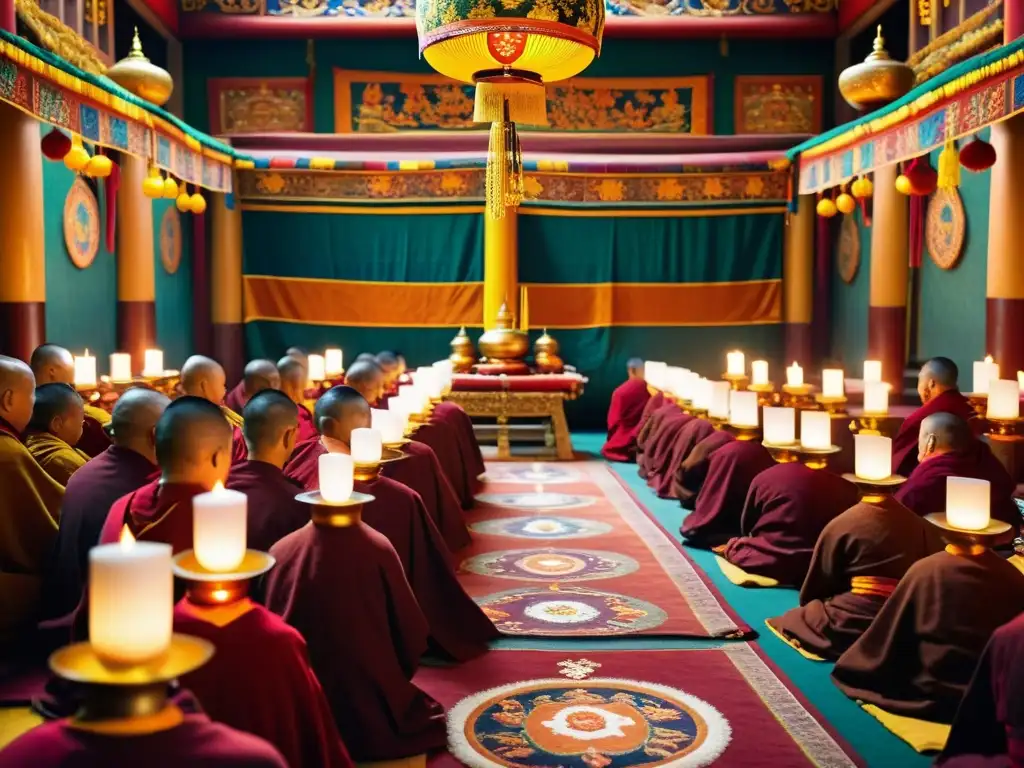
[
  {"x": 127, "y": 541},
  {"x": 87, "y": 353},
  {"x": 219, "y": 486},
  {"x": 988, "y": 358},
  {"x": 221, "y": 595}
]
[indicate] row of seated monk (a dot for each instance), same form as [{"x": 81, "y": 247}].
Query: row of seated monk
[
  {"x": 905, "y": 616},
  {"x": 315, "y": 667}
]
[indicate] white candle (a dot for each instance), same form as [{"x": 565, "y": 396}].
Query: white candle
[
  {"x": 400, "y": 407},
  {"x": 390, "y": 425},
  {"x": 153, "y": 363},
  {"x": 445, "y": 369},
  {"x": 131, "y": 600},
  {"x": 336, "y": 476},
  {"x": 654, "y": 373},
  {"x": 219, "y": 529},
  {"x": 702, "y": 394},
  {"x": 779, "y": 425},
  {"x": 815, "y": 430},
  {"x": 876, "y": 398},
  {"x": 872, "y": 370},
  {"x": 832, "y": 383},
  {"x": 120, "y": 366},
  {"x": 735, "y": 363},
  {"x": 85, "y": 370},
  {"x": 365, "y": 444},
  {"x": 1003, "y": 399},
  {"x": 759, "y": 373},
  {"x": 333, "y": 362},
  {"x": 984, "y": 371},
  {"x": 967, "y": 503},
  {"x": 743, "y": 409},
  {"x": 688, "y": 385},
  {"x": 676, "y": 378},
  {"x": 718, "y": 407},
  {"x": 429, "y": 381},
  {"x": 317, "y": 368},
  {"x": 872, "y": 457},
  {"x": 794, "y": 376},
  {"x": 1020, "y": 381}
]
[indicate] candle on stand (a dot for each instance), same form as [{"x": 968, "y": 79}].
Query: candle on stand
[
  {"x": 317, "y": 368},
  {"x": 735, "y": 363},
  {"x": 794, "y": 375},
  {"x": 389, "y": 424},
  {"x": 984, "y": 371},
  {"x": 429, "y": 380},
  {"x": 779, "y": 425},
  {"x": 336, "y": 476},
  {"x": 675, "y": 380},
  {"x": 153, "y": 363},
  {"x": 400, "y": 408},
  {"x": 688, "y": 385},
  {"x": 120, "y": 367},
  {"x": 219, "y": 528},
  {"x": 131, "y": 600},
  {"x": 718, "y": 407},
  {"x": 876, "y": 398},
  {"x": 702, "y": 394},
  {"x": 759, "y": 373},
  {"x": 872, "y": 457},
  {"x": 333, "y": 362},
  {"x": 85, "y": 370},
  {"x": 743, "y": 408},
  {"x": 1003, "y": 400},
  {"x": 832, "y": 384},
  {"x": 967, "y": 503},
  {"x": 872, "y": 370},
  {"x": 365, "y": 444},
  {"x": 815, "y": 430}
]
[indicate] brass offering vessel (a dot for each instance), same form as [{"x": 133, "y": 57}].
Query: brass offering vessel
[
  {"x": 545, "y": 354},
  {"x": 504, "y": 346},
  {"x": 463, "y": 354},
  {"x": 137, "y": 74},
  {"x": 876, "y": 81}
]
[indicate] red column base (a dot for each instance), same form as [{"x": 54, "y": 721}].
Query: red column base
[
  {"x": 136, "y": 330},
  {"x": 22, "y": 327},
  {"x": 799, "y": 344},
  {"x": 887, "y": 342},
  {"x": 1004, "y": 334},
  {"x": 229, "y": 349}
]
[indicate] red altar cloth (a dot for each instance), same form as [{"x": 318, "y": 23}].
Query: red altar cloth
[{"x": 570, "y": 383}]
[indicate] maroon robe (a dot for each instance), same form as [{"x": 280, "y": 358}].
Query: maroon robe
[
  {"x": 690, "y": 474},
  {"x": 919, "y": 653},
  {"x": 155, "y": 512},
  {"x": 644, "y": 427},
  {"x": 442, "y": 437},
  {"x": 421, "y": 471},
  {"x": 874, "y": 543},
  {"x": 925, "y": 489},
  {"x": 94, "y": 439},
  {"x": 656, "y": 461},
  {"x": 716, "y": 513},
  {"x": 273, "y": 511},
  {"x": 236, "y": 398},
  {"x": 456, "y": 415},
  {"x": 307, "y": 430},
  {"x": 692, "y": 433},
  {"x": 303, "y": 467},
  {"x": 239, "y": 449},
  {"x": 787, "y": 508},
  {"x": 344, "y": 590},
  {"x": 905, "y": 444},
  {"x": 627, "y": 406},
  {"x": 261, "y": 662}
]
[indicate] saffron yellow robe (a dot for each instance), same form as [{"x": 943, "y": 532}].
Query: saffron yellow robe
[
  {"x": 233, "y": 418},
  {"x": 97, "y": 413},
  {"x": 59, "y": 459}
]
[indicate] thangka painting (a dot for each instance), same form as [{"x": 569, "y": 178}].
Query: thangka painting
[
  {"x": 241, "y": 105},
  {"x": 388, "y": 102},
  {"x": 778, "y": 104}
]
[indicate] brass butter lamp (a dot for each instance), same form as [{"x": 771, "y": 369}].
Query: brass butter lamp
[
  {"x": 137, "y": 74},
  {"x": 503, "y": 347},
  {"x": 876, "y": 81}
]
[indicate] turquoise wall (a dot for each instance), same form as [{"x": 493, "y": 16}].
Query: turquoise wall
[
  {"x": 174, "y": 328},
  {"x": 850, "y": 306}
]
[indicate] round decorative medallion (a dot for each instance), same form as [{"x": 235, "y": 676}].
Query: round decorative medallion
[
  {"x": 945, "y": 228},
  {"x": 170, "y": 240},
  {"x": 551, "y": 565},
  {"x": 569, "y": 610},
  {"x": 536, "y": 473},
  {"x": 598, "y": 722},
  {"x": 538, "y": 499},
  {"x": 81, "y": 224},
  {"x": 541, "y": 527},
  {"x": 848, "y": 253}
]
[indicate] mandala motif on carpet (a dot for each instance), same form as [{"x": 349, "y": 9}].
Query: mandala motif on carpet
[
  {"x": 596, "y": 723},
  {"x": 569, "y": 610},
  {"x": 536, "y": 473},
  {"x": 551, "y": 564},
  {"x": 542, "y": 527},
  {"x": 537, "y": 499}
]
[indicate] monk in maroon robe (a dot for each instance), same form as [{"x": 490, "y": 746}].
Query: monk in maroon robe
[
  {"x": 292, "y": 377},
  {"x": 919, "y": 653},
  {"x": 260, "y": 663},
  {"x": 937, "y": 386},
  {"x": 859, "y": 558},
  {"x": 947, "y": 448},
  {"x": 787, "y": 508},
  {"x": 271, "y": 429},
  {"x": 259, "y": 375},
  {"x": 716, "y": 514},
  {"x": 458, "y": 627},
  {"x": 691, "y": 472},
  {"x": 627, "y": 406},
  {"x": 654, "y": 463},
  {"x": 366, "y": 378},
  {"x": 443, "y": 439},
  {"x": 55, "y": 365},
  {"x": 392, "y": 369},
  {"x": 691, "y": 434},
  {"x": 655, "y": 404},
  {"x": 650, "y": 439},
  {"x": 465, "y": 473}
]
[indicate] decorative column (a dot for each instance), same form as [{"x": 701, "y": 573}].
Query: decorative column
[
  {"x": 501, "y": 265},
  {"x": 797, "y": 282},
  {"x": 226, "y": 287},
  {"x": 136, "y": 264},
  {"x": 887, "y": 314},
  {"x": 1013, "y": 20}
]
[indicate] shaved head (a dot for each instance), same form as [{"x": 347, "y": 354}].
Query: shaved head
[
  {"x": 269, "y": 417},
  {"x": 193, "y": 442},
  {"x": 260, "y": 375},
  {"x": 339, "y": 411},
  {"x": 58, "y": 410},
  {"x": 17, "y": 392},
  {"x": 51, "y": 363},
  {"x": 938, "y": 375},
  {"x": 133, "y": 422},
  {"x": 943, "y": 433},
  {"x": 388, "y": 362},
  {"x": 204, "y": 377},
  {"x": 367, "y": 378},
  {"x": 293, "y": 378},
  {"x": 298, "y": 353}
]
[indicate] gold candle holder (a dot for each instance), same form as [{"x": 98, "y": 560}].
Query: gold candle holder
[
  {"x": 834, "y": 406},
  {"x": 371, "y": 470},
  {"x": 868, "y": 424},
  {"x": 766, "y": 395},
  {"x": 335, "y": 514},
  {"x": 961, "y": 541},
  {"x": 1004, "y": 427},
  {"x": 817, "y": 458},
  {"x": 874, "y": 491},
  {"x": 799, "y": 397},
  {"x": 783, "y": 453},
  {"x": 979, "y": 402},
  {"x": 737, "y": 381},
  {"x": 717, "y": 422},
  {"x": 205, "y": 587},
  {"x": 744, "y": 432}
]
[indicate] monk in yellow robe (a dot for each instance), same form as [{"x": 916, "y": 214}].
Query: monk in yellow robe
[
  {"x": 55, "y": 365},
  {"x": 29, "y": 506},
  {"x": 54, "y": 430}
]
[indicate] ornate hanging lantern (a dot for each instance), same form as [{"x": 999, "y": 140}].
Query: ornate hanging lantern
[{"x": 509, "y": 51}]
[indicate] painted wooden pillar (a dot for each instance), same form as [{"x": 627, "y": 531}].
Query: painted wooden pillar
[
  {"x": 501, "y": 266},
  {"x": 798, "y": 281},
  {"x": 136, "y": 264},
  {"x": 1013, "y": 20},
  {"x": 226, "y": 287},
  {"x": 887, "y": 314}
]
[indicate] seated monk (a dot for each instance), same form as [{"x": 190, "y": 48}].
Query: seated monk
[
  {"x": 668, "y": 423},
  {"x": 388, "y": 362},
  {"x": 787, "y": 508},
  {"x": 458, "y": 627},
  {"x": 55, "y": 427},
  {"x": 860, "y": 557},
  {"x": 449, "y": 433},
  {"x": 690, "y": 474},
  {"x": 55, "y": 365},
  {"x": 917, "y": 656},
  {"x": 656, "y": 403},
  {"x": 293, "y": 384},
  {"x": 948, "y": 448},
  {"x": 29, "y": 506},
  {"x": 937, "y": 386},
  {"x": 719, "y": 505},
  {"x": 257, "y": 376},
  {"x": 270, "y": 429},
  {"x": 299, "y": 355},
  {"x": 687, "y": 438},
  {"x": 125, "y": 466},
  {"x": 627, "y": 406},
  {"x": 204, "y": 377},
  {"x": 366, "y": 378}
]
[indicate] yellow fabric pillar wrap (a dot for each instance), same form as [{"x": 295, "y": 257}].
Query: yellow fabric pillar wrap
[
  {"x": 226, "y": 262},
  {"x": 890, "y": 266},
  {"x": 136, "y": 264},
  {"x": 798, "y": 264},
  {"x": 1004, "y": 277},
  {"x": 501, "y": 265},
  {"x": 22, "y": 264}
]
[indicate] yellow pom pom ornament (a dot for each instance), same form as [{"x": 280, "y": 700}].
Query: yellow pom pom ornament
[
  {"x": 862, "y": 188},
  {"x": 845, "y": 203},
  {"x": 77, "y": 158},
  {"x": 198, "y": 203},
  {"x": 826, "y": 208},
  {"x": 183, "y": 202},
  {"x": 903, "y": 185},
  {"x": 170, "y": 188},
  {"x": 99, "y": 166},
  {"x": 153, "y": 185}
]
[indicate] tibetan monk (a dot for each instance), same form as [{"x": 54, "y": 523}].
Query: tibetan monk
[
  {"x": 937, "y": 386},
  {"x": 655, "y": 404},
  {"x": 671, "y": 421},
  {"x": 258, "y": 375},
  {"x": 29, "y": 506},
  {"x": 858, "y": 560},
  {"x": 270, "y": 429},
  {"x": 55, "y": 428},
  {"x": 458, "y": 628},
  {"x": 460, "y": 460},
  {"x": 299, "y": 355},
  {"x": 691, "y": 472},
  {"x": 293, "y": 383},
  {"x": 204, "y": 377},
  {"x": 55, "y": 365},
  {"x": 719, "y": 505},
  {"x": 917, "y": 656},
  {"x": 367, "y": 378},
  {"x": 388, "y": 362},
  {"x": 948, "y": 448},
  {"x": 627, "y": 406},
  {"x": 689, "y": 436},
  {"x": 125, "y": 466},
  {"x": 787, "y": 508}
]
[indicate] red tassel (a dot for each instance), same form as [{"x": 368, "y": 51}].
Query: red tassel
[
  {"x": 918, "y": 212},
  {"x": 110, "y": 187}
]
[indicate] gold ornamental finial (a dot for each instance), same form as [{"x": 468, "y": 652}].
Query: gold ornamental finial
[
  {"x": 136, "y": 51},
  {"x": 878, "y": 52}
]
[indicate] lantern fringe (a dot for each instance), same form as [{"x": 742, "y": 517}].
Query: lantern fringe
[
  {"x": 949, "y": 167},
  {"x": 504, "y": 169},
  {"x": 527, "y": 102}
]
